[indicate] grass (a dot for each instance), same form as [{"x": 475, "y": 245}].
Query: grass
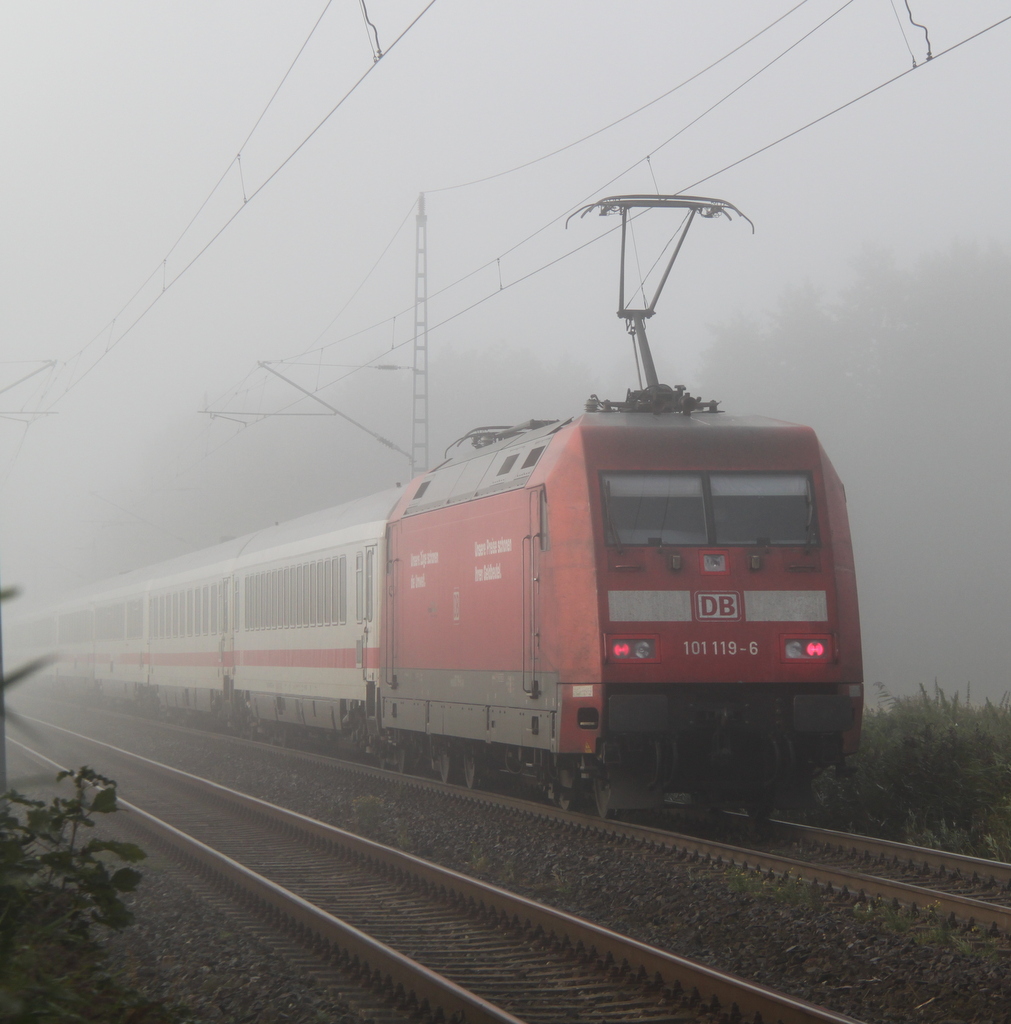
[
  {"x": 793, "y": 892},
  {"x": 932, "y": 770},
  {"x": 369, "y": 812}
]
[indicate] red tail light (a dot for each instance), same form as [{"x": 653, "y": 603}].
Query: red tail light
[
  {"x": 807, "y": 648},
  {"x": 632, "y": 648}
]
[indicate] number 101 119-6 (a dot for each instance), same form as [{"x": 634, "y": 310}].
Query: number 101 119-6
[{"x": 719, "y": 647}]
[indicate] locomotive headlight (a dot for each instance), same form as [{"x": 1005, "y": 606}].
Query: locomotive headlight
[
  {"x": 632, "y": 648},
  {"x": 807, "y": 648}
]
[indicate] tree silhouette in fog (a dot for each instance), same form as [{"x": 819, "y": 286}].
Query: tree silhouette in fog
[{"x": 904, "y": 375}]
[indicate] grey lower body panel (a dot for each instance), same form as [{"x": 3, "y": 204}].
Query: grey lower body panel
[{"x": 522, "y": 727}]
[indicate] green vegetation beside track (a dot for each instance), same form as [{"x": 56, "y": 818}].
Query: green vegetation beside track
[
  {"x": 58, "y": 881},
  {"x": 932, "y": 770}
]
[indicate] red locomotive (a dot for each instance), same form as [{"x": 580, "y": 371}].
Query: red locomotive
[{"x": 649, "y": 603}]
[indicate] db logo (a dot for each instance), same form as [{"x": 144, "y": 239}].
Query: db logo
[{"x": 723, "y": 605}]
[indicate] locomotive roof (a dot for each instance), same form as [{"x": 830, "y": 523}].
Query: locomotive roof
[
  {"x": 508, "y": 464},
  {"x": 624, "y": 421}
]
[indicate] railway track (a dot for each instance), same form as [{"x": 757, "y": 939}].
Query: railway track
[
  {"x": 435, "y": 943},
  {"x": 964, "y": 892}
]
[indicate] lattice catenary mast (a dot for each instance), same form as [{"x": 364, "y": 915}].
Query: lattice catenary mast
[{"x": 419, "y": 423}]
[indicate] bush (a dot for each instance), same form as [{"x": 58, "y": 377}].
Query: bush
[
  {"x": 932, "y": 770},
  {"x": 55, "y": 885}
]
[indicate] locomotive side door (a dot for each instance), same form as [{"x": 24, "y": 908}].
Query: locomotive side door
[
  {"x": 389, "y": 607},
  {"x": 533, "y": 544}
]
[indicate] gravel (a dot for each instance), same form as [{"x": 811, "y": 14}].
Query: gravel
[
  {"x": 186, "y": 950},
  {"x": 820, "y": 949}
]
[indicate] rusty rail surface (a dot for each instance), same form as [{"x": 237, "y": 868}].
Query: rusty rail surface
[
  {"x": 965, "y": 909},
  {"x": 632, "y": 958}
]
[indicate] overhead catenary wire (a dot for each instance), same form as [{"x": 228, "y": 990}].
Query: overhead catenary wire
[
  {"x": 554, "y": 220},
  {"x": 849, "y": 103},
  {"x": 751, "y": 155},
  {"x": 75, "y": 381},
  {"x": 166, "y": 284},
  {"x": 902, "y": 31},
  {"x": 163, "y": 265},
  {"x": 708, "y": 177},
  {"x": 624, "y": 117},
  {"x": 686, "y": 188}
]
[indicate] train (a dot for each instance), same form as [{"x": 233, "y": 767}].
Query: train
[
  {"x": 637, "y": 608},
  {"x": 652, "y": 602}
]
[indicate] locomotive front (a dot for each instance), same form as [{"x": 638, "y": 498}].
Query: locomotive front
[{"x": 729, "y": 658}]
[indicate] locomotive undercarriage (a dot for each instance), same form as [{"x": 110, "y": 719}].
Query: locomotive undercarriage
[
  {"x": 704, "y": 746},
  {"x": 708, "y": 745}
]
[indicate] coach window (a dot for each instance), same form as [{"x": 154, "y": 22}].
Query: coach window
[
  {"x": 762, "y": 508},
  {"x": 320, "y": 593},
  {"x": 214, "y": 607},
  {"x": 189, "y": 613},
  {"x": 264, "y": 600},
  {"x": 342, "y": 590},
  {"x": 224, "y": 605},
  {"x": 328, "y": 592},
  {"x": 313, "y": 608},
  {"x": 359, "y": 586},
  {"x": 654, "y": 508},
  {"x": 205, "y": 620}
]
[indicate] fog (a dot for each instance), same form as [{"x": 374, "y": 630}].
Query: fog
[{"x": 870, "y": 301}]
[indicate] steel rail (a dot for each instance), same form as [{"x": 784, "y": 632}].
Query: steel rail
[
  {"x": 416, "y": 987},
  {"x": 630, "y": 957},
  {"x": 855, "y": 844},
  {"x": 971, "y": 912}
]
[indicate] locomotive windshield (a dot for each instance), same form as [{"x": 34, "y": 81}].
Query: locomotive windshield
[
  {"x": 708, "y": 508},
  {"x": 655, "y": 508},
  {"x": 753, "y": 507}
]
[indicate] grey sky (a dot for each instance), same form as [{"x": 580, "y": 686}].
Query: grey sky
[{"x": 118, "y": 118}]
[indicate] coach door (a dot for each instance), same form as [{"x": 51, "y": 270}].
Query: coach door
[
  {"x": 228, "y": 610},
  {"x": 533, "y": 543}
]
